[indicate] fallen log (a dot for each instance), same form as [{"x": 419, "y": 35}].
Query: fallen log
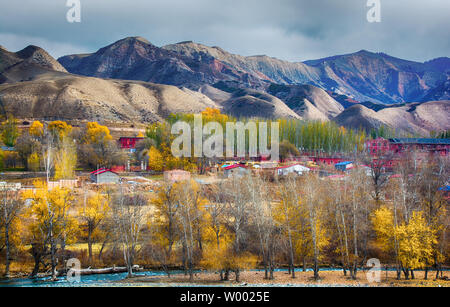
[{"x": 112, "y": 270}]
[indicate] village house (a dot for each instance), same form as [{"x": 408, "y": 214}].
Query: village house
[
  {"x": 292, "y": 169},
  {"x": 382, "y": 146},
  {"x": 105, "y": 176},
  {"x": 344, "y": 166},
  {"x": 64, "y": 184},
  {"x": 9, "y": 186},
  {"x": 238, "y": 170},
  {"x": 129, "y": 143},
  {"x": 177, "y": 176}
]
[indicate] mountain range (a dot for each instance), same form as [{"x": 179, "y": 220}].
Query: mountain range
[
  {"x": 363, "y": 76},
  {"x": 134, "y": 80}
]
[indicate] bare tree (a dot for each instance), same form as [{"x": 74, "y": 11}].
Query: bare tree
[
  {"x": 433, "y": 175},
  {"x": 290, "y": 200},
  {"x": 189, "y": 203},
  {"x": 10, "y": 208},
  {"x": 311, "y": 195},
  {"x": 379, "y": 168},
  {"x": 238, "y": 213},
  {"x": 129, "y": 219},
  {"x": 261, "y": 204},
  {"x": 165, "y": 221}
]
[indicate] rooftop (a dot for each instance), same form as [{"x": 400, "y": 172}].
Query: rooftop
[{"x": 421, "y": 141}]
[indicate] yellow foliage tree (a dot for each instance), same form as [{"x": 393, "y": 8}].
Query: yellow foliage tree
[
  {"x": 412, "y": 241},
  {"x": 9, "y": 131},
  {"x": 212, "y": 114},
  {"x": 2, "y": 157},
  {"x": 155, "y": 160},
  {"x": 96, "y": 134},
  {"x": 59, "y": 129},
  {"x": 217, "y": 244},
  {"x": 34, "y": 162},
  {"x": 416, "y": 239},
  {"x": 37, "y": 129},
  {"x": 383, "y": 224},
  {"x": 65, "y": 160},
  {"x": 163, "y": 224},
  {"x": 49, "y": 223},
  {"x": 92, "y": 213}
]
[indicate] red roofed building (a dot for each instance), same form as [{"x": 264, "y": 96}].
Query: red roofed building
[
  {"x": 398, "y": 146},
  {"x": 236, "y": 170},
  {"x": 129, "y": 142}
]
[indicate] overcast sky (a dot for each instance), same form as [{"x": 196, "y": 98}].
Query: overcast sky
[{"x": 294, "y": 30}]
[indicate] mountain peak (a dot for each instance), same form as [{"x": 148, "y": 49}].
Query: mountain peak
[
  {"x": 185, "y": 43},
  {"x": 29, "y": 51},
  {"x": 131, "y": 40},
  {"x": 138, "y": 38},
  {"x": 37, "y": 55}
]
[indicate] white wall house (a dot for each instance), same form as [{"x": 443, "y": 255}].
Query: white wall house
[{"x": 292, "y": 169}]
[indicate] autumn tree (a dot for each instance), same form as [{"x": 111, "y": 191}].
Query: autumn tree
[
  {"x": 143, "y": 148},
  {"x": 356, "y": 212},
  {"x": 10, "y": 210},
  {"x": 379, "y": 167},
  {"x": 312, "y": 199},
  {"x": 98, "y": 149},
  {"x": 26, "y": 146},
  {"x": 191, "y": 216},
  {"x": 155, "y": 160},
  {"x": 97, "y": 134},
  {"x": 289, "y": 213},
  {"x": 165, "y": 222},
  {"x": 129, "y": 220},
  {"x": 9, "y": 131},
  {"x": 288, "y": 150},
  {"x": 92, "y": 212},
  {"x": 238, "y": 217},
  {"x": 217, "y": 238},
  {"x": 36, "y": 129},
  {"x": 412, "y": 240},
  {"x": 49, "y": 223},
  {"x": 433, "y": 175},
  {"x": 65, "y": 160},
  {"x": 59, "y": 129}
]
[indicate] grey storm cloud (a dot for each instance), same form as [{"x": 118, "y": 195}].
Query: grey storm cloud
[{"x": 294, "y": 30}]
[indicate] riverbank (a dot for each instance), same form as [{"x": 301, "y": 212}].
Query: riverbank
[
  {"x": 329, "y": 278},
  {"x": 256, "y": 278}
]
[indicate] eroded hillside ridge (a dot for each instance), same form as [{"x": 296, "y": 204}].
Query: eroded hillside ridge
[
  {"x": 363, "y": 76},
  {"x": 34, "y": 85}
]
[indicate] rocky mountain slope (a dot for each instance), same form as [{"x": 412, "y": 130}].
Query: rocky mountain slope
[
  {"x": 362, "y": 76},
  {"x": 414, "y": 118},
  {"x": 379, "y": 77},
  {"x": 34, "y": 85},
  {"x": 307, "y": 101},
  {"x": 251, "y": 103},
  {"x": 26, "y": 64}
]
